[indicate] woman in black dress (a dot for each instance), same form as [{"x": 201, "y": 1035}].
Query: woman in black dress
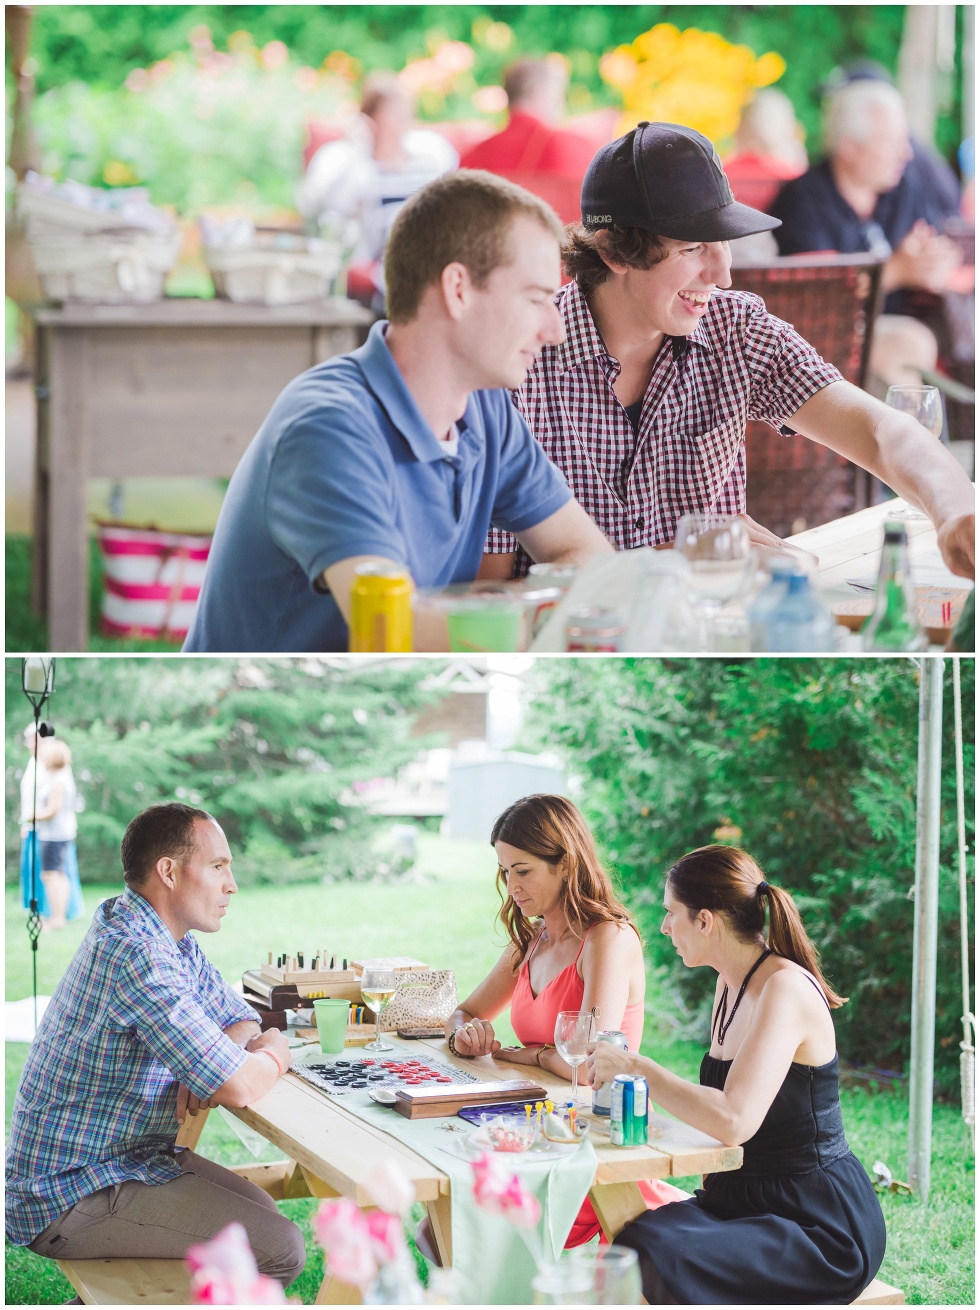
[{"x": 799, "y": 1222}]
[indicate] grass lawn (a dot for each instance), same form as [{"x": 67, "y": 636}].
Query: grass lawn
[{"x": 446, "y": 916}]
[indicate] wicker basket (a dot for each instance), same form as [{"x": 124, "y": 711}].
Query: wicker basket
[
  {"x": 267, "y": 275},
  {"x": 94, "y": 254}
]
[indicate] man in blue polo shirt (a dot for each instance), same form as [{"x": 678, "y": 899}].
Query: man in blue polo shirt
[{"x": 408, "y": 449}]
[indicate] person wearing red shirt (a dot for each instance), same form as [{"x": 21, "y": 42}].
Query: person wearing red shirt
[{"x": 532, "y": 145}]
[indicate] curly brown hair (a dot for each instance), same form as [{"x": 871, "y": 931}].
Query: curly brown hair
[
  {"x": 582, "y": 252},
  {"x": 550, "y": 828}
]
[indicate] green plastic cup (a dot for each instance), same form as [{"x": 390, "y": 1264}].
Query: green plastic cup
[
  {"x": 490, "y": 625},
  {"x": 332, "y": 1014}
]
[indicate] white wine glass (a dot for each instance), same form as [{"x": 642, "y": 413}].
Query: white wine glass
[
  {"x": 573, "y": 1033},
  {"x": 925, "y": 405},
  {"x": 378, "y": 986},
  {"x": 719, "y": 555}
]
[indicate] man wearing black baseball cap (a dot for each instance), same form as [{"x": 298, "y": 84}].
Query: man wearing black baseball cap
[{"x": 644, "y": 404}]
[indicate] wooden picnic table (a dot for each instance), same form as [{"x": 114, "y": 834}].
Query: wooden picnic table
[
  {"x": 175, "y": 388},
  {"x": 336, "y": 1152},
  {"x": 849, "y": 549}
]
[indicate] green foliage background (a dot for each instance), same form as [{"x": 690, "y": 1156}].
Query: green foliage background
[
  {"x": 276, "y": 748},
  {"x": 195, "y": 152},
  {"x": 811, "y": 766}
]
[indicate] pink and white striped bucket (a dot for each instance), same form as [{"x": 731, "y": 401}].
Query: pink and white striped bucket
[{"x": 152, "y": 580}]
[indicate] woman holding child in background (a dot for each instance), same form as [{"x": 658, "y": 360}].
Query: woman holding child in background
[{"x": 799, "y": 1222}]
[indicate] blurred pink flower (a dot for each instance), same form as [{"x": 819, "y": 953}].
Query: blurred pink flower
[
  {"x": 498, "y": 1191},
  {"x": 490, "y": 99},
  {"x": 223, "y": 1272},
  {"x": 199, "y": 38},
  {"x": 387, "y": 1236},
  {"x": 274, "y": 54},
  {"x": 454, "y": 57},
  {"x": 161, "y": 70},
  {"x": 389, "y": 1188},
  {"x": 306, "y": 78},
  {"x": 138, "y": 80},
  {"x": 341, "y": 1228}
]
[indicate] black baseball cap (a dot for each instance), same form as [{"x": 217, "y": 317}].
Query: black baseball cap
[{"x": 668, "y": 180}]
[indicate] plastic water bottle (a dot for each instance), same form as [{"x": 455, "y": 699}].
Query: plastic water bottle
[
  {"x": 781, "y": 568},
  {"x": 799, "y": 621}
]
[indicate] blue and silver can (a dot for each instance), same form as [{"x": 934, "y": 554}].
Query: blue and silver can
[
  {"x": 601, "y": 1095},
  {"x": 621, "y": 1110},
  {"x": 629, "y": 1111}
]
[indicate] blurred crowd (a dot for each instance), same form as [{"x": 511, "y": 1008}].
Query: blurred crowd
[{"x": 873, "y": 188}]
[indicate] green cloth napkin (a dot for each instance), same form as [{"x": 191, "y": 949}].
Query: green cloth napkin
[{"x": 491, "y": 1259}]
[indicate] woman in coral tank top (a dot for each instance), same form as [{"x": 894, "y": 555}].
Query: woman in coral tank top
[{"x": 573, "y": 946}]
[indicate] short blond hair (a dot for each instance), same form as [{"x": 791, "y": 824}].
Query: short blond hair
[
  {"x": 56, "y": 755},
  {"x": 463, "y": 217}
]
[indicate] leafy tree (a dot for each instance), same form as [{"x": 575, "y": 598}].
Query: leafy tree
[
  {"x": 811, "y": 766},
  {"x": 276, "y": 749}
]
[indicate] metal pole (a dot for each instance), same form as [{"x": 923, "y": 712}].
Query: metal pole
[{"x": 926, "y": 921}]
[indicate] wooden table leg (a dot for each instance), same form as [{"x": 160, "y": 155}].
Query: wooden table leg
[
  {"x": 616, "y": 1205},
  {"x": 67, "y": 545},
  {"x": 439, "y": 1212}
]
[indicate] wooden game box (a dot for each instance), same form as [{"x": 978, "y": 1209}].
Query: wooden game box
[{"x": 437, "y": 1102}]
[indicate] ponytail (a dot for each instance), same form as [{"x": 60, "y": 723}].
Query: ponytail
[
  {"x": 788, "y": 938},
  {"x": 728, "y": 881}
]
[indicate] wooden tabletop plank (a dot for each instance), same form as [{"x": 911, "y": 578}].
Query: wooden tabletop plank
[{"x": 332, "y": 1144}]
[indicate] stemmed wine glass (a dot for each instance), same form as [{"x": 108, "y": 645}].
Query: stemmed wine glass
[
  {"x": 925, "y": 405},
  {"x": 573, "y": 1033},
  {"x": 719, "y": 553},
  {"x": 378, "y": 986}
]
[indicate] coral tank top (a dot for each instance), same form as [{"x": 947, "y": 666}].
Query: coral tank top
[{"x": 533, "y": 1017}]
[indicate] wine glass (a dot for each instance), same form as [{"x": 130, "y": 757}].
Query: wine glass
[
  {"x": 925, "y": 405},
  {"x": 617, "y": 1276},
  {"x": 719, "y": 553},
  {"x": 573, "y": 1033},
  {"x": 378, "y": 986}
]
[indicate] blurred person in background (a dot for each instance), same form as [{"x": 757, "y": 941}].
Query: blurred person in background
[
  {"x": 768, "y": 149},
  {"x": 533, "y": 141},
  {"x": 862, "y": 198},
  {"x": 358, "y": 184},
  {"x": 48, "y": 795}
]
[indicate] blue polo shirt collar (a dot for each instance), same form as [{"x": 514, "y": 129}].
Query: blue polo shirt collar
[{"x": 384, "y": 380}]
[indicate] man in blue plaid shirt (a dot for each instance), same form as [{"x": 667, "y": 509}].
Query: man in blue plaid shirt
[{"x": 141, "y": 1031}]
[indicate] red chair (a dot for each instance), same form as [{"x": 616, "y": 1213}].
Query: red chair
[{"x": 832, "y": 301}]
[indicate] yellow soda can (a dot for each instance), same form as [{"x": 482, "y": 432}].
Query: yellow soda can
[{"x": 381, "y": 609}]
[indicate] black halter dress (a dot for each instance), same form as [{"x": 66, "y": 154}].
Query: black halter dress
[{"x": 798, "y": 1224}]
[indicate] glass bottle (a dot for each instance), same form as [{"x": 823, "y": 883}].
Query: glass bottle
[{"x": 894, "y": 623}]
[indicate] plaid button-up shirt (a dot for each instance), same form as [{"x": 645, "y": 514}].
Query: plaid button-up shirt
[
  {"x": 739, "y": 363},
  {"x": 135, "y": 1014}
]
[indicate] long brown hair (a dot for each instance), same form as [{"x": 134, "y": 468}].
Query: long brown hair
[
  {"x": 728, "y": 881},
  {"x": 550, "y": 828}
]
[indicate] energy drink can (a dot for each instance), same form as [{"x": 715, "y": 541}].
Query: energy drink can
[
  {"x": 628, "y": 1111},
  {"x": 381, "y": 609},
  {"x": 601, "y": 1095}
]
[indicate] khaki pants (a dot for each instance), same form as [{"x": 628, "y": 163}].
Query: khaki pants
[{"x": 160, "y": 1222}]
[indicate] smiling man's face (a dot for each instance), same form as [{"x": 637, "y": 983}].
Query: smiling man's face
[{"x": 673, "y": 295}]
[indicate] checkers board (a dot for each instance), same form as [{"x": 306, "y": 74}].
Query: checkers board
[{"x": 338, "y": 1075}]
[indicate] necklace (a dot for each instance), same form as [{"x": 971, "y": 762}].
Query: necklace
[{"x": 720, "y": 1013}]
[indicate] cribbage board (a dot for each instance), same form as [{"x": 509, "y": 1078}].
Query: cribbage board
[{"x": 339, "y": 1074}]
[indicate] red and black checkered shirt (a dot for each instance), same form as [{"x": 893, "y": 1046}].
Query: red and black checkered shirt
[{"x": 739, "y": 363}]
